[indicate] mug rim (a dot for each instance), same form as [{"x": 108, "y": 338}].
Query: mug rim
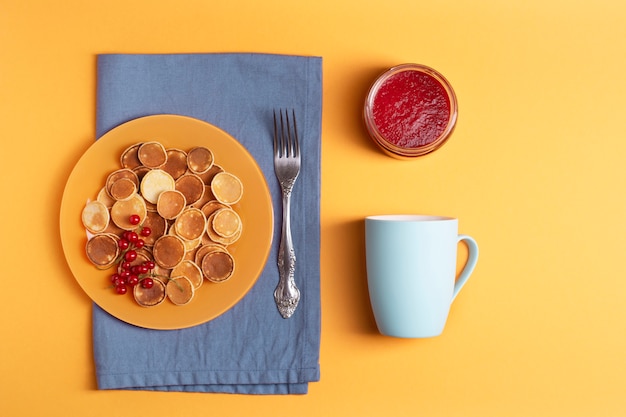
[{"x": 409, "y": 218}]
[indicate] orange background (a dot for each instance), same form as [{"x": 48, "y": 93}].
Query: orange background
[{"x": 534, "y": 171}]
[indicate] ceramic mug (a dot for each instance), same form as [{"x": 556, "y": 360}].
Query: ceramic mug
[{"x": 411, "y": 272}]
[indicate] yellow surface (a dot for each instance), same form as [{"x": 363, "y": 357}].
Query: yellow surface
[{"x": 535, "y": 172}]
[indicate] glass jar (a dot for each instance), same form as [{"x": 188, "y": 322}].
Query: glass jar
[{"x": 410, "y": 111}]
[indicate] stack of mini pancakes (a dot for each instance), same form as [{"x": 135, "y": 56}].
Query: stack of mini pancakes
[{"x": 186, "y": 200}]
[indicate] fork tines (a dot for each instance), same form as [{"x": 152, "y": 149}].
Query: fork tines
[{"x": 286, "y": 142}]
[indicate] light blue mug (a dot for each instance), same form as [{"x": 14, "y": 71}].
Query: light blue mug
[{"x": 411, "y": 272}]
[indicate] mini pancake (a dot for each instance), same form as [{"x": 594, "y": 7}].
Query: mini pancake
[
  {"x": 123, "y": 189},
  {"x": 154, "y": 183},
  {"x": 123, "y": 209},
  {"x": 190, "y": 255},
  {"x": 152, "y": 154},
  {"x": 119, "y": 174},
  {"x": 102, "y": 250},
  {"x": 218, "y": 266},
  {"x": 208, "y": 176},
  {"x": 176, "y": 164},
  {"x": 170, "y": 204},
  {"x": 114, "y": 229},
  {"x": 180, "y": 290},
  {"x": 105, "y": 198},
  {"x": 191, "y": 186},
  {"x": 206, "y": 240},
  {"x": 206, "y": 249},
  {"x": 214, "y": 237},
  {"x": 206, "y": 197},
  {"x": 227, "y": 188},
  {"x": 157, "y": 225},
  {"x": 192, "y": 245},
  {"x": 150, "y": 206},
  {"x": 225, "y": 241},
  {"x": 150, "y": 297},
  {"x": 159, "y": 270},
  {"x": 199, "y": 159},
  {"x": 129, "y": 158},
  {"x": 141, "y": 171},
  {"x": 168, "y": 251},
  {"x": 191, "y": 224},
  {"x": 190, "y": 270},
  {"x": 95, "y": 216},
  {"x": 212, "y": 206},
  {"x": 226, "y": 222}
]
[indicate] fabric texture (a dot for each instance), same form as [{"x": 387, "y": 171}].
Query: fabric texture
[{"x": 250, "y": 349}]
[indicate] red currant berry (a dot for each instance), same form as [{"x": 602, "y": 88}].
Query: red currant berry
[
  {"x": 123, "y": 244},
  {"x": 143, "y": 269},
  {"x": 146, "y": 231},
  {"x": 139, "y": 243},
  {"x": 147, "y": 283},
  {"x": 134, "y": 219},
  {"x": 132, "y": 280},
  {"x": 121, "y": 289},
  {"x": 134, "y": 269},
  {"x": 125, "y": 265},
  {"x": 130, "y": 256},
  {"x": 133, "y": 237},
  {"x": 115, "y": 277},
  {"x": 124, "y": 274},
  {"x": 150, "y": 265}
]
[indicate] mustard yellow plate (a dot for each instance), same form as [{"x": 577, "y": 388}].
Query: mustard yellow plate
[{"x": 255, "y": 210}]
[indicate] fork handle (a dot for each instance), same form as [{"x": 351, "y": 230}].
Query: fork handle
[{"x": 286, "y": 294}]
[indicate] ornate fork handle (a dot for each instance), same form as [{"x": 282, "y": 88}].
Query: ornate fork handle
[
  {"x": 286, "y": 293},
  {"x": 287, "y": 167}
]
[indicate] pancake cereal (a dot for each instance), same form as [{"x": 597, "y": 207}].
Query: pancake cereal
[{"x": 165, "y": 219}]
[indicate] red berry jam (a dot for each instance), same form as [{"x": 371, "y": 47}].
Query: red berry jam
[{"x": 410, "y": 111}]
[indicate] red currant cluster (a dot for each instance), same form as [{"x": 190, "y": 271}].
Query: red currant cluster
[{"x": 129, "y": 275}]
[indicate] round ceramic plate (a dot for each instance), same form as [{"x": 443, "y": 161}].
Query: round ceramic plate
[{"x": 255, "y": 209}]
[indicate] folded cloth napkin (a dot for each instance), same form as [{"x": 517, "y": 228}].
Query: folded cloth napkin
[{"x": 250, "y": 349}]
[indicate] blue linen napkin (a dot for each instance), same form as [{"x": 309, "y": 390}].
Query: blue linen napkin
[{"x": 250, "y": 349}]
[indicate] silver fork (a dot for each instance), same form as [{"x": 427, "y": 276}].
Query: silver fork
[{"x": 287, "y": 168}]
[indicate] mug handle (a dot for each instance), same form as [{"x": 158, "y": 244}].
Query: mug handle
[{"x": 472, "y": 258}]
